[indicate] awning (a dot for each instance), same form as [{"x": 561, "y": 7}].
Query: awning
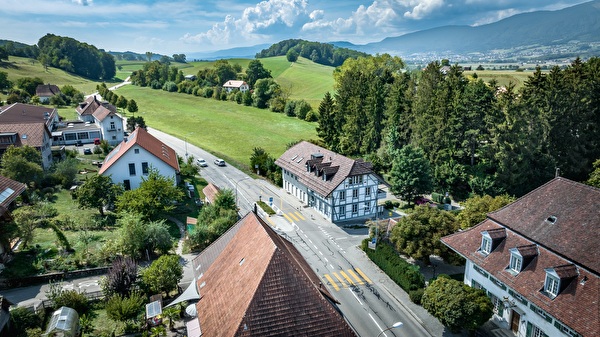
[
  {"x": 190, "y": 294},
  {"x": 193, "y": 328}
]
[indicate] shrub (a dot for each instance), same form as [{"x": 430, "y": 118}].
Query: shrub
[
  {"x": 416, "y": 295},
  {"x": 67, "y": 298},
  {"x": 437, "y": 198},
  {"x": 23, "y": 319},
  {"x": 121, "y": 308},
  {"x": 97, "y": 150},
  {"x": 406, "y": 275},
  {"x": 312, "y": 116},
  {"x": 170, "y": 87}
]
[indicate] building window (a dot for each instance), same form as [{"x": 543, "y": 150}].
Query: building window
[
  {"x": 126, "y": 184},
  {"x": 112, "y": 125},
  {"x": 114, "y": 137},
  {"x": 516, "y": 261},
  {"x": 136, "y": 151},
  {"x": 537, "y": 332},
  {"x": 82, "y": 135},
  {"x": 552, "y": 283},
  {"x": 486, "y": 244},
  {"x": 367, "y": 206},
  {"x": 354, "y": 208},
  {"x": 355, "y": 193},
  {"x": 342, "y": 195},
  {"x": 70, "y": 136},
  {"x": 132, "y": 169},
  {"x": 145, "y": 168},
  {"x": 342, "y": 210},
  {"x": 498, "y": 305},
  {"x": 367, "y": 191}
]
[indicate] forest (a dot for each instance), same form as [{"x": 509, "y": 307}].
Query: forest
[
  {"x": 477, "y": 138},
  {"x": 321, "y": 53}
]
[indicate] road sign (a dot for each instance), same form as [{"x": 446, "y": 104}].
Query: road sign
[{"x": 270, "y": 201}]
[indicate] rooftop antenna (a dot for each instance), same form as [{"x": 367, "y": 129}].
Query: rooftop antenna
[{"x": 557, "y": 172}]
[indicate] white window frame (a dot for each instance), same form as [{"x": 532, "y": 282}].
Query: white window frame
[
  {"x": 355, "y": 193},
  {"x": 367, "y": 206},
  {"x": 516, "y": 261},
  {"x": 552, "y": 283},
  {"x": 354, "y": 208},
  {"x": 536, "y": 331},
  {"x": 486, "y": 244},
  {"x": 342, "y": 195},
  {"x": 368, "y": 191}
]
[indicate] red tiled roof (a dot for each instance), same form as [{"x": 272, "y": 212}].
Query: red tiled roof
[
  {"x": 576, "y": 305},
  {"x": 102, "y": 112},
  {"x": 91, "y": 105},
  {"x": 259, "y": 285},
  {"x": 295, "y": 159},
  {"x": 233, "y": 84},
  {"x": 142, "y": 138},
  {"x": 31, "y": 134},
  {"x": 6, "y": 197},
  {"x": 576, "y": 208},
  {"x": 210, "y": 192},
  {"x": 19, "y": 113},
  {"x": 46, "y": 90}
]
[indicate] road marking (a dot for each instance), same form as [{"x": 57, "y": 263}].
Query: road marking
[
  {"x": 320, "y": 253},
  {"x": 346, "y": 277},
  {"x": 331, "y": 266},
  {"x": 300, "y": 216},
  {"x": 326, "y": 259},
  {"x": 293, "y": 216},
  {"x": 355, "y": 277},
  {"x": 357, "y": 298},
  {"x": 269, "y": 219},
  {"x": 340, "y": 279},
  {"x": 316, "y": 247},
  {"x": 287, "y": 217},
  {"x": 309, "y": 240},
  {"x": 377, "y": 324},
  {"x": 332, "y": 282},
  {"x": 363, "y": 275}
]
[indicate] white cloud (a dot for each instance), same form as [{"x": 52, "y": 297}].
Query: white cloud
[
  {"x": 83, "y": 2},
  {"x": 255, "y": 22},
  {"x": 421, "y": 8}
]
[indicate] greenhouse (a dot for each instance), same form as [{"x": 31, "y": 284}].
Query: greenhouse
[{"x": 64, "y": 323}]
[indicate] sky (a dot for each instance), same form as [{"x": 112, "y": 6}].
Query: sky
[{"x": 192, "y": 26}]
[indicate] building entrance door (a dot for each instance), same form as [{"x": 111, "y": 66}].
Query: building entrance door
[{"x": 514, "y": 322}]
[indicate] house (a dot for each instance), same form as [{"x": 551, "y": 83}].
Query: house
[
  {"x": 102, "y": 122},
  {"x": 190, "y": 77},
  {"x": 9, "y": 191},
  {"x": 46, "y": 91},
  {"x": 210, "y": 193},
  {"x": 338, "y": 187},
  {"x": 236, "y": 85},
  {"x": 538, "y": 260},
  {"x": 110, "y": 125},
  {"x": 252, "y": 282},
  {"x": 131, "y": 160},
  {"x": 20, "y": 113}
]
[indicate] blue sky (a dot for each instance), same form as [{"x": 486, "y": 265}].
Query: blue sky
[{"x": 185, "y": 26}]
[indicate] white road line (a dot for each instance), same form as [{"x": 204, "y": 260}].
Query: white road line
[
  {"x": 326, "y": 259},
  {"x": 374, "y": 321},
  {"x": 331, "y": 266},
  {"x": 315, "y": 247},
  {"x": 352, "y": 292},
  {"x": 309, "y": 240},
  {"x": 320, "y": 253}
]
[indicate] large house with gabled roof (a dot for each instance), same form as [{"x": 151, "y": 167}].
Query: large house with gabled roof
[
  {"x": 129, "y": 162},
  {"x": 338, "y": 187},
  {"x": 253, "y": 282},
  {"x": 538, "y": 260}
]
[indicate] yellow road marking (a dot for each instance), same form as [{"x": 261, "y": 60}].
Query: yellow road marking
[
  {"x": 300, "y": 216},
  {"x": 332, "y": 282},
  {"x": 346, "y": 277},
  {"x": 341, "y": 281},
  {"x": 270, "y": 221},
  {"x": 363, "y": 275},
  {"x": 287, "y": 217},
  {"x": 293, "y": 216},
  {"x": 355, "y": 277}
]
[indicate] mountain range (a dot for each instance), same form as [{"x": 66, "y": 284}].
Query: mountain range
[{"x": 572, "y": 31}]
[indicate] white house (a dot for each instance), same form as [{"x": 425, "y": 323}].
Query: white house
[
  {"x": 103, "y": 118},
  {"x": 338, "y": 187},
  {"x": 538, "y": 261},
  {"x": 131, "y": 160},
  {"x": 236, "y": 85},
  {"x": 110, "y": 125}
]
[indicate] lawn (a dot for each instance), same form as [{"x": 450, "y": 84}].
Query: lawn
[
  {"x": 503, "y": 77},
  {"x": 227, "y": 129}
]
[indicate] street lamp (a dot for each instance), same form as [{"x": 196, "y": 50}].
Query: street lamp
[
  {"x": 186, "y": 153},
  {"x": 394, "y": 326}
]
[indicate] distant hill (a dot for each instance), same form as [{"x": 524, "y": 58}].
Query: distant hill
[
  {"x": 241, "y": 52},
  {"x": 321, "y": 53},
  {"x": 576, "y": 24}
]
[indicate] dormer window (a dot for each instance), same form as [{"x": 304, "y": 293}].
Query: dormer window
[
  {"x": 490, "y": 239},
  {"x": 486, "y": 244},
  {"x": 558, "y": 279},
  {"x": 516, "y": 261},
  {"x": 552, "y": 283}
]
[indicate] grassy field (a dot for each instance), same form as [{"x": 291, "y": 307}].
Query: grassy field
[
  {"x": 503, "y": 77},
  {"x": 226, "y": 129}
]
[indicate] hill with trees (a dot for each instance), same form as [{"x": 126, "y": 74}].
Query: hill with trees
[{"x": 321, "y": 53}]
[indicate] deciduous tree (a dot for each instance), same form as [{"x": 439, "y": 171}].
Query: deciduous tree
[
  {"x": 97, "y": 192},
  {"x": 476, "y": 208},
  {"x": 121, "y": 277},
  {"x": 23, "y": 164},
  {"x": 163, "y": 274},
  {"x": 256, "y": 71}
]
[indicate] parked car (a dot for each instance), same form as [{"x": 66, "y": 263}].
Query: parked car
[
  {"x": 87, "y": 150},
  {"x": 201, "y": 162},
  {"x": 79, "y": 143},
  {"x": 219, "y": 162}
]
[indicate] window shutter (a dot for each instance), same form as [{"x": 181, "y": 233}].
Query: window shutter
[
  {"x": 529, "y": 328},
  {"x": 500, "y": 309}
]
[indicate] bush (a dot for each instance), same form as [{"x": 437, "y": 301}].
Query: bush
[
  {"x": 312, "y": 116},
  {"x": 67, "y": 298},
  {"x": 97, "y": 150},
  {"x": 437, "y": 198},
  {"x": 121, "y": 308},
  {"x": 170, "y": 87},
  {"x": 23, "y": 319},
  {"x": 406, "y": 275},
  {"x": 265, "y": 207},
  {"x": 416, "y": 295}
]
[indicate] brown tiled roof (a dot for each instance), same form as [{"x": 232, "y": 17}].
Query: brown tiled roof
[
  {"x": 142, "y": 138},
  {"x": 31, "y": 134},
  {"x": 5, "y": 197},
  {"x": 191, "y": 221},
  {"x": 576, "y": 210},
  {"x": 46, "y": 90},
  {"x": 102, "y": 112},
  {"x": 295, "y": 159},
  {"x": 19, "y": 113},
  {"x": 210, "y": 192},
  {"x": 91, "y": 104},
  {"x": 259, "y": 285},
  {"x": 576, "y": 306}
]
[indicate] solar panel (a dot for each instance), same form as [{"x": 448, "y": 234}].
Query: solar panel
[
  {"x": 153, "y": 309},
  {"x": 5, "y": 194}
]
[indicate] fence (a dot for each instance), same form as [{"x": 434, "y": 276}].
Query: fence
[{"x": 43, "y": 279}]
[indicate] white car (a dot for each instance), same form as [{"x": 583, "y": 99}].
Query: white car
[
  {"x": 201, "y": 162},
  {"x": 219, "y": 162}
]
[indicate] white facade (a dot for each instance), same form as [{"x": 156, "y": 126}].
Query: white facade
[
  {"x": 111, "y": 128},
  {"x": 236, "y": 85},
  {"x": 134, "y": 165},
  {"x": 355, "y": 198}
]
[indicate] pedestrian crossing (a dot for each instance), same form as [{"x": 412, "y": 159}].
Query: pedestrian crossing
[
  {"x": 293, "y": 216},
  {"x": 346, "y": 278}
]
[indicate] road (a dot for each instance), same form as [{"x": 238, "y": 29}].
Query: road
[{"x": 368, "y": 297}]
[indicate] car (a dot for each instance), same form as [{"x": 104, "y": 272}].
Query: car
[
  {"x": 219, "y": 162},
  {"x": 87, "y": 150},
  {"x": 201, "y": 162},
  {"x": 79, "y": 143}
]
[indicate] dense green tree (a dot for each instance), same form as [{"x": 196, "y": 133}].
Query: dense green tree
[
  {"x": 122, "y": 102},
  {"x": 260, "y": 160},
  {"x": 123, "y": 309},
  {"x": 23, "y": 319},
  {"x": 179, "y": 58},
  {"x": 291, "y": 55},
  {"x": 132, "y": 106},
  {"x": 65, "y": 171},
  {"x": 3, "y": 54},
  {"x": 418, "y": 234},
  {"x": 411, "y": 174},
  {"x": 457, "y": 305},
  {"x": 396, "y": 133},
  {"x": 322, "y": 53},
  {"x": 22, "y": 164},
  {"x": 163, "y": 274},
  {"x": 154, "y": 196},
  {"x": 121, "y": 277},
  {"x": 594, "y": 179},
  {"x": 98, "y": 191},
  {"x": 476, "y": 208},
  {"x": 225, "y": 200},
  {"x": 255, "y": 72},
  {"x": 265, "y": 90},
  {"x": 158, "y": 239},
  {"x": 135, "y": 122},
  {"x": 5, "y": 83},
  {"x": 326, "y": 128},
  {"x": 27, "y": 220},
  {"x": 224, "y": 71},
  {"x": 29, "y": 84}
]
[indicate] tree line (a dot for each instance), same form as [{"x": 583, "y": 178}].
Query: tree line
[
  {"x": 321, "y": 53},
  {"x": 477, "y": 137}
]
